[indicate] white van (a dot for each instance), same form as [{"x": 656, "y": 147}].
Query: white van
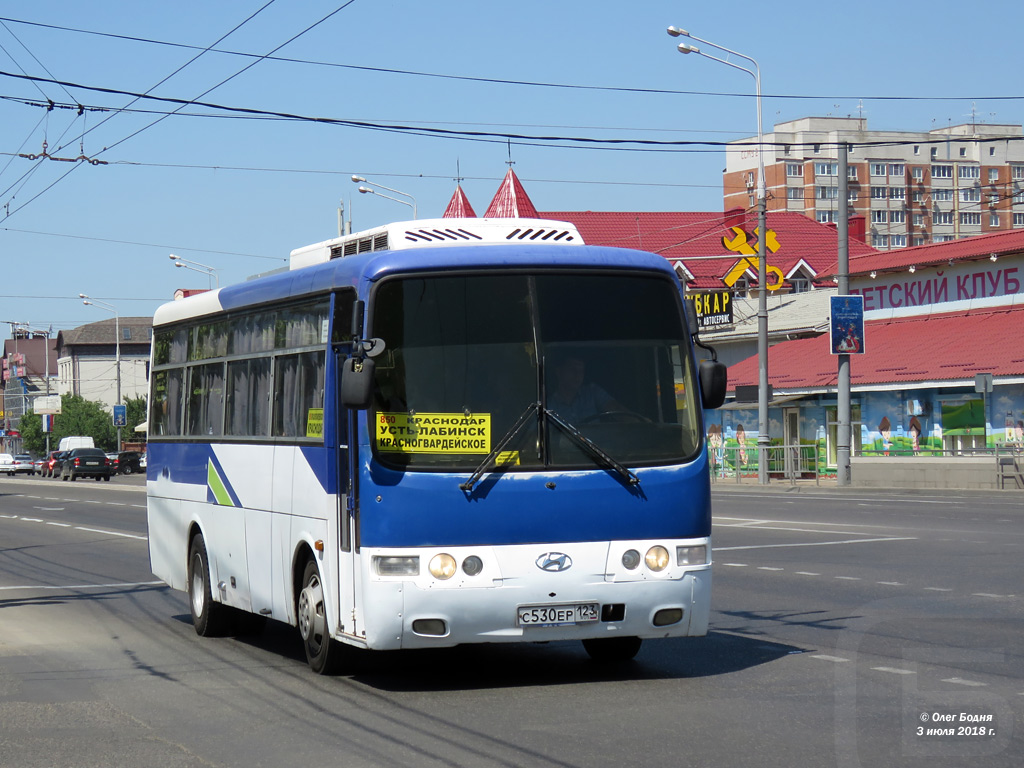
[{"x": 77, "y": 441}]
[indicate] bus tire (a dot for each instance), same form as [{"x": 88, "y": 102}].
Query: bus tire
[
  {"x": 322, "y": 653},
  {"x": 209, "y": 618},
  {"x": 612, "y": 650}
]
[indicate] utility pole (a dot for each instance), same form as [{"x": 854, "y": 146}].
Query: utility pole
[{"x": 843, "y": 382}]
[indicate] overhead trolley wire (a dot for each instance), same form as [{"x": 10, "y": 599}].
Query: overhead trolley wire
[{"x": 501, "y": 81}]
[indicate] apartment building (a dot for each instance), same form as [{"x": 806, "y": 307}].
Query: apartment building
[{"x": 911, "y": 188}]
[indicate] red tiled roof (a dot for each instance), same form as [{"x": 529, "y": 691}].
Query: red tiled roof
[
  {"x": 695, "y": 238},
  {"x": 966, "y": 249},
  {"x": 951, "y": 346},
  {"x": 511, "y": 201},
  {"x": 458, "y": 206}
]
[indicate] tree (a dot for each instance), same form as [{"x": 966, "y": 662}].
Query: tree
[
  {"x": 137, "y": 412},
  {"x": 77, "y": 417}
]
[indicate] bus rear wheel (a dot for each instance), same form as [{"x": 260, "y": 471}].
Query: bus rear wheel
[
  {"x": 322, "y": 653},
  {"x": 209, "y": 618},
  {"x": 612, "y": 650}
]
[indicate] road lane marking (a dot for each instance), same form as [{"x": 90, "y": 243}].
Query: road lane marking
[
  {"x": 83, "y": 586},
  {"x": 891, "y": 583},
  {"x": 817, "y": 543},
  {"x": 961, "y": 681},
  {"x": 847, "y": 578},
  {"x": 938, "y": 589},
  {"x": 895, "y": 670},
  {"x": 735, "y": 565},
  {"x": 752, "y": 521},
  {"x": 807, "y": 573},
  {"x": 824, "y": 657},
  {"x": 769, "y": 568},
  {"x": 77, "y": 527},
  {"x": 876, "y": 502},
  {"x": 111, "y": 533}
]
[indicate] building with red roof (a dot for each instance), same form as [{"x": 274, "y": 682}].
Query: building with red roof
[
  {"x": 458, "y": 206},
  {"x": 943, "y": 362},
  {"x": 936, "y": 317},
  {"x": 704, "y": 247}
]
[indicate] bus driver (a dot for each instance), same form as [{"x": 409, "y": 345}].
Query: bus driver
[{"x": 574, "y": 397}]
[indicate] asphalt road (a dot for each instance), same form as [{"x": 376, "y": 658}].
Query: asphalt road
[{"x": 843, "y": 622}]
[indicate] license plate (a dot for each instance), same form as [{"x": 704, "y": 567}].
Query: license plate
[{"x": 553, "y": 615}]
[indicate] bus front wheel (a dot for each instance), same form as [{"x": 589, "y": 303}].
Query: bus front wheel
[
  {"x": 322, "y": 653},
  {"x": 612, "y": 650},
  {"x": 209, "y": 618}
]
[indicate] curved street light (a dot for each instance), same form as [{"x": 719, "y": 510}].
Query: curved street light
[
  {"x": 368, "y": 191},
  {"x": 763, "y": 440},
  {"x": 195, "y": 266},
  {"x": 88, "y": 301}
]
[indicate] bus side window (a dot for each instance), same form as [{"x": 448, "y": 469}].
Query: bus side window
[
  {"x": 342, "y": 323},
  {"x": 298, "y": 387}
]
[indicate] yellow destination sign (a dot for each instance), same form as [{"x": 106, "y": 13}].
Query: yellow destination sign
[{"x": 433, "y": 433}]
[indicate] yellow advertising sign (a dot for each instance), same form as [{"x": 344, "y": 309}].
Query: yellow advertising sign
[
  {"x": 433, "y": 433},
  {"x": 740, "y": 243},
  {"x": 775, "y": 276},
  {"x": 315, "y": 423}
]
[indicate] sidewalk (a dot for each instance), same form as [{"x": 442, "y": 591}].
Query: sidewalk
[{"x": 749, "y": 481}]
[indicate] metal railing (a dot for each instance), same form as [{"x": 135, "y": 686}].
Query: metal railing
[{"x": 798, "y": 461}]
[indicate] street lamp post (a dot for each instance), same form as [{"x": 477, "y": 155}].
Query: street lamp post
[
  {"x": 763, "y": 441},
  {"x": 369, "y": 191},
  {"x": 117, "y": 347},
  {"x": 195, "y": 266}
]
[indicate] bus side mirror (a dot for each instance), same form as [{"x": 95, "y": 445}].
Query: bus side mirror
[
  {"x": 714, "y": 377},
  {"x": 357, "y": 382}
]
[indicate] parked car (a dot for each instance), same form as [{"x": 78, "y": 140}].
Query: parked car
[
  {"x": 7, "y": 463},
  {"x": 142, "y": 462},
  {"x": 51, "y": 468},
  {"x": 115, "y": 468},
  {"x": 129, "y": 462},
  {"x": 37, "y": 465},
  {"x": 85, "y": 462},
  {"x": 23, "y": 464}
]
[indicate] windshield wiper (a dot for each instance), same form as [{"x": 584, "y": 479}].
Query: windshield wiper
[
  {"x": 531, "y": 409},
  {"x": 592, "y": 448}
]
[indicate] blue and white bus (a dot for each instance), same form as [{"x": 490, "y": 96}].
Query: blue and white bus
[{"x": 433, "y": 433}]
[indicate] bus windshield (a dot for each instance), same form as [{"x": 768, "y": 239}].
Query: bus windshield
[{"x": 601, "y": 353}]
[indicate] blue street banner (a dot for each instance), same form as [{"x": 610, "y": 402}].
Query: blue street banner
[
  {"x": 120, "y": 415},
  {"x": 847, "y": 325}
]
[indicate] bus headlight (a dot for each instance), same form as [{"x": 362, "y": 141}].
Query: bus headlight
[
  {"x": 472, "y": 565},
  {"x": 694, "y": 555},
  {"x": 396, "y": 565},
  {"x": 657, "y": 558},
  {"x": 442, "y": 566},
  {"x": 630, "y": 559}
]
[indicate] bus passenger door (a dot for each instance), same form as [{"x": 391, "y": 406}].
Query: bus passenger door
[{"x": 348, "y": 559}]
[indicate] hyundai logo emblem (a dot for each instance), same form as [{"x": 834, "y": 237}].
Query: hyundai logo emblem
[{"x": 554, "y": 561}]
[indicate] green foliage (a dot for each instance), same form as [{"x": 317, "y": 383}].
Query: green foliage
[
  {"x": 136, "y": 415},
  {"x": 77, "y": 417},
  {"x": 33, "y": 439}
]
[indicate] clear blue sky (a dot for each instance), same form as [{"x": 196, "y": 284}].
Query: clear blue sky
[{"x": 238, "y": 191}]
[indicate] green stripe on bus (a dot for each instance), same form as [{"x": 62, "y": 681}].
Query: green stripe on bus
[{"x": 216, "y": 483}]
